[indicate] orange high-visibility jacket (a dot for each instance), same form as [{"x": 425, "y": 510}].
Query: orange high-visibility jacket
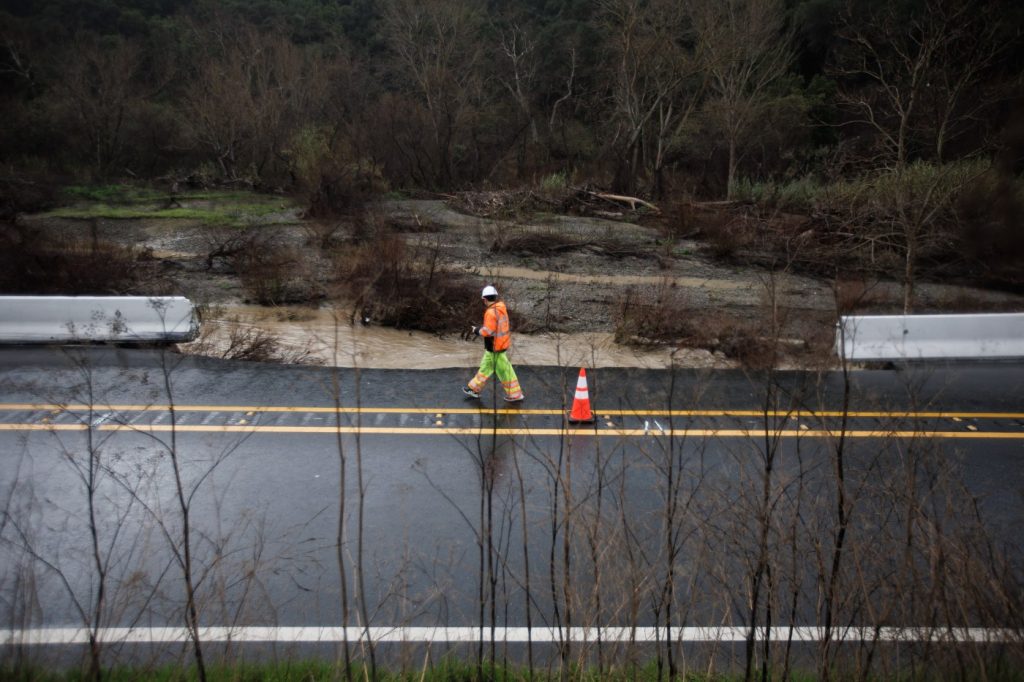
[{"x": 496, "y": 332}]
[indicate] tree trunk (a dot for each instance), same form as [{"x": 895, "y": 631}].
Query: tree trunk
[
  {"x": 731, "y": 176},
  {"x": 908, "y": 271}
]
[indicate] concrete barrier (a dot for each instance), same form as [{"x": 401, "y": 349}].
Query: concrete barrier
[
  {"x": 84, "y": 319},
  {"x": 930, "y": 337}
]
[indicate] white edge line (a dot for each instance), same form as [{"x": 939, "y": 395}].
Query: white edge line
[{"x": 314, "y": 634}]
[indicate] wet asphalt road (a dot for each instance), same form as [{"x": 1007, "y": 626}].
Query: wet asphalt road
[{"x": 261, "y": 447}]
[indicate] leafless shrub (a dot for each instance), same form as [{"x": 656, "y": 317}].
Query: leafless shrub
[
  {"x": 33, "y": 264},
  {"x": 818, "y": 352},
  {"x": 968, "y": 302},
  {"x": 278, "y": 276},
  {"x": 727, "y": 234},
  {"x": 225, "y": 246},
  {"x": 413, "y": 223},
  {"x": 989, "y": 215},
  {"x": 342, "y": 188},
  {"x": 739, "y": 337},
  {"x": 233, "y": 339},
  {"x": 770, "y": 532},
  {"x": 859, "y": 294},
  {"x": 408, "y": 288},
  {"x": 368, "y": 226},
  {"x": 246, "y": 342},
  {"x": 743, "y": 342},
  {"x": 662, "y": 315},
  {"x": 22, "y": 195},
  {"x": 651, "y": 314},
  {"x": 678, "y": 222},
  {"x": 323, "y": 234}
]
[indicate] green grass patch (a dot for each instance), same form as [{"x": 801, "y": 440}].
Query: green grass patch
[
  {"x": 236, "y": 196},
  {"x": 114, "y": 194},
  {"x": 555, "y": 182},
  {"x": 225, "y": 216},
  {"x": 800, "y": 195},
  {"x": 214, "y": 208},
  {"x": 132, "y": 194}
]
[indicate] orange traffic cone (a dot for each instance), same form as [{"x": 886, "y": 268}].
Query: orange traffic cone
[{"x": 581, "y": 413}]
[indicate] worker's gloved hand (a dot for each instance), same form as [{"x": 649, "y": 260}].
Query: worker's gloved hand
[{"x": 476, "y": 330}]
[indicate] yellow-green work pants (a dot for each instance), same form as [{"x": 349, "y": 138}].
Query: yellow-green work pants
[{"x": 497, "y": 363}]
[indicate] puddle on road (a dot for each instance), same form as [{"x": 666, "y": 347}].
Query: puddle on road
[{"x": 385, "y": 348}]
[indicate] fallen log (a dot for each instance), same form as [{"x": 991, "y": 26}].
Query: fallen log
[{"x": 623, "y": 199}]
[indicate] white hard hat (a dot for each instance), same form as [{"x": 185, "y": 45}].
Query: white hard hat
[{"x": 489, "y": 291}]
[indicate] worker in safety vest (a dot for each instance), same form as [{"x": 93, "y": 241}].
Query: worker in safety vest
[{"x": 497, "y": 339}]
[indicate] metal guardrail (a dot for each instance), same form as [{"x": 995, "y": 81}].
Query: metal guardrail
[
  {"x": 85, "y": 319},
  {"x": 930, "y": 337}
]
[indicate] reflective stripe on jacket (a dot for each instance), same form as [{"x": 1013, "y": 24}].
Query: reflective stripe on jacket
[{"x": 496, "y": 332}]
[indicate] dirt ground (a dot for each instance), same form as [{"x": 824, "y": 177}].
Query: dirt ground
[{"x": 566, "y": 277}]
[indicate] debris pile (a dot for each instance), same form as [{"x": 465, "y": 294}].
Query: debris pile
[{"x": 573, "y": 200}]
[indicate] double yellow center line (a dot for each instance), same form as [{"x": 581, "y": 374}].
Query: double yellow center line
[
  {"x": 962, "y": 425},
  {"x": 482, "y": 409}
]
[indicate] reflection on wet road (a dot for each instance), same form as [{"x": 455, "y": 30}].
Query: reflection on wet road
[{"x": 508, "y": 512}]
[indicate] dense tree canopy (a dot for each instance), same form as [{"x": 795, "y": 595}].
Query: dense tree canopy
[{"x": 648, "y": 96}]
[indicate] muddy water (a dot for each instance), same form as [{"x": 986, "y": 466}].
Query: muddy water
[{"x": 332, "y": 341}]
